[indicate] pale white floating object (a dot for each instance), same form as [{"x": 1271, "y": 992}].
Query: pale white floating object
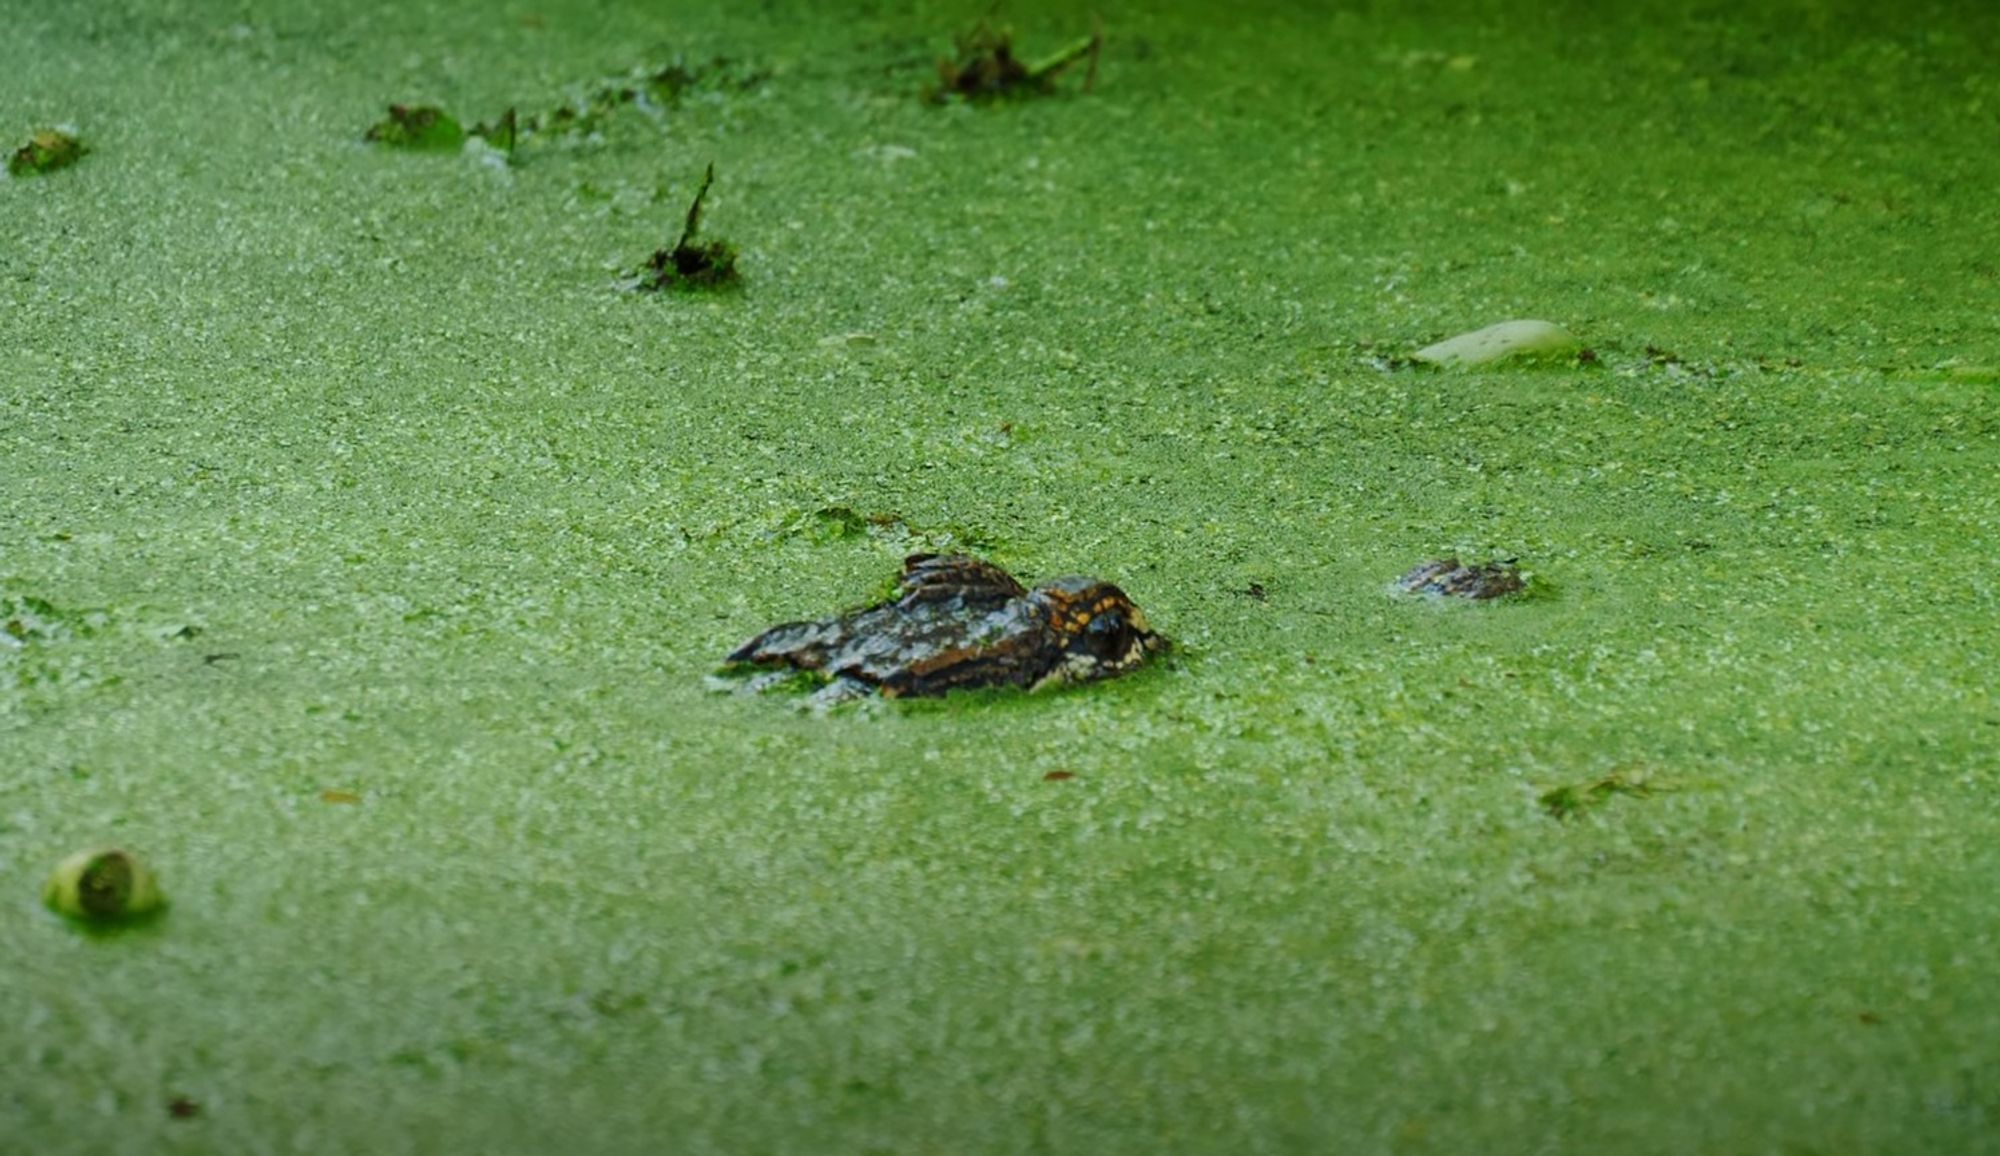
[{"x": 1499, "y": 342}]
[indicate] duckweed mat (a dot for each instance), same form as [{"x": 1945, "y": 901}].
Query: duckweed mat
[{"x": 365, "y": 542}]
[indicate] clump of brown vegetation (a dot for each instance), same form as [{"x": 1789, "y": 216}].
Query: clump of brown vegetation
[
  {"x": 987, "y": 69},
  {"x": 691, "y": 264}
]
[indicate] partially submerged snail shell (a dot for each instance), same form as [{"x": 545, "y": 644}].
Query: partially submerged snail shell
[{"x": 102, "y": 886}]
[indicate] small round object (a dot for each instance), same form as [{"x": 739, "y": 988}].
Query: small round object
[{"x": 102, "y": 886}]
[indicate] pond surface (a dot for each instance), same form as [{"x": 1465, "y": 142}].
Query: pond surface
[{"x": 365, "y": 547}]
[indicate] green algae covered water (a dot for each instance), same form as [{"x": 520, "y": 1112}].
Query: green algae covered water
[{"x": 364, "y": 547}]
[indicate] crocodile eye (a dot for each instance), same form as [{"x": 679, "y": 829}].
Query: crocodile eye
[
  {"x": 1108, "y": 637},
  {"x": 107, "y": 886}
]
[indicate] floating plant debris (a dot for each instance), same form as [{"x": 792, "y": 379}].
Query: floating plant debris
[
  {"x": 46, "y": 151},
  {"x": 26, "y": 620},
  {"x": 417, "y": 126},
  {"x": 649, "y": 87},
  {"x": 653, "y": 87},
  {"x": 987, "y": 69},
  {"x": 689, "y": 264},
  {"x": 501, "y": 133}
]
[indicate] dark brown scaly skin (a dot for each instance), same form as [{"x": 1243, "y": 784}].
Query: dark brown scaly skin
[
  {"x": 1447, "y": 578},
  {"x": 963, "y": 622}
]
